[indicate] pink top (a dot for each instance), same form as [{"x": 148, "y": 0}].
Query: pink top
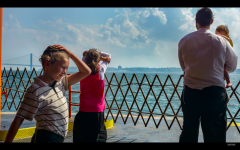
[{"x": 92, "y": 94}]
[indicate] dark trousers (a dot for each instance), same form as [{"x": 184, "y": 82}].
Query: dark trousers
[
  {"x": 207, "y": 106},
  {"x": 89, "y": 127},
  {"x": 45, "y": 136}
]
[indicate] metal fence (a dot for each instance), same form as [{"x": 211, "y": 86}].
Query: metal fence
[{"x": 18, "y": 86}]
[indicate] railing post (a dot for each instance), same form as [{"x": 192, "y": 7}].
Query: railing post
[
  {"x": 1, "y": 19},
  {"x": 70, "y": 101}
]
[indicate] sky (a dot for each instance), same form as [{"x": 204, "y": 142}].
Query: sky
[{"x": 135, "y": 37}]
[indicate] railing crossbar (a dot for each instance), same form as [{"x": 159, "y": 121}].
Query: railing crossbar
[{"x": 116, "y": 87}]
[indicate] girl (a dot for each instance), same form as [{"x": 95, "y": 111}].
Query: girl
[
  {"x": 89, "y": 121},
  {"x": 45, "y": 99},
  {"x": 223, "y": 31}
]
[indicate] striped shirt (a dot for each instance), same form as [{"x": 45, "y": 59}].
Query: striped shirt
[{"x": 47, "y": 105}]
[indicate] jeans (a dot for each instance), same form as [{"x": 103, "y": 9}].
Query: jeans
[
  {"x": 45, "y": 136},
  {"x": 207, "y": 106}
]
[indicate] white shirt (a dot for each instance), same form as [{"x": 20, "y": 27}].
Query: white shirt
[
  {"x": 202, "y": 56},
  {"x": 103, "y": 65}
]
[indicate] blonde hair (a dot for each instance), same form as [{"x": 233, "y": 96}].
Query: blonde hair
[
  {"x": 52, "y": 54},
  {"x": 92, "y": 58},
  {"x": 226, "y": 30},
  {"x": 223, "y": 28}
]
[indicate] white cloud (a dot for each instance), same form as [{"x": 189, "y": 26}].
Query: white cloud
[
  {"x": 127, "y": 11},
  {"x": 71, "y": 28},
  {"x": 146, "y": 13},
  {"x": 160, "y": 15},
  {"x": 138, "y": 45},
  {"x": 18, "y": 24},
  {"x": 115, "y": 41},
  {"x": 59, "y": 21},
  {"x": 157, "y": 49},
  {"x": 166, "y": 48},
  {"x": 120, "y": 35},
  {"x": 108, "y": 33},
  {"x": 124, "y": 27},
  {"x": 115, "y": 10},
  {"x": 109, "y": 21},
  {"x": 133, "y": 29},
  {"x": 189, "y": 20},
  {"x": 77, "y": 32},
  {"x": 100, "y": 35},
  {"x": 116, "y": 29},
  {"x": 89, "y": 30}
]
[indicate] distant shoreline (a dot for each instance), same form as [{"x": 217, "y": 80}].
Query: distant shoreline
[{"x": 137, "y": 70}]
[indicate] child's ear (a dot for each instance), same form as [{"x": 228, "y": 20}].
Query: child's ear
[{"x": 46, "y": 63}]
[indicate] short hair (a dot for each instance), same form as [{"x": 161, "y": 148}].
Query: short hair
[
  {"x": 223, "y": 28},
  {"x": 52, "y": 54},
  {"x": 204, "y": 16}
]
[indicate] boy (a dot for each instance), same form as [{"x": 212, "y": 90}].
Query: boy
[{"x": 45, "y": 99}]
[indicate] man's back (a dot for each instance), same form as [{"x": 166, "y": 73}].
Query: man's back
[{"x": 202, "y": 56}]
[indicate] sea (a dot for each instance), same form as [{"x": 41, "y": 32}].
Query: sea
[{"x": 137, "y": 99}]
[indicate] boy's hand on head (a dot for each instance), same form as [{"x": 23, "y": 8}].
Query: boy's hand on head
[{"x": 60, "y": 47}]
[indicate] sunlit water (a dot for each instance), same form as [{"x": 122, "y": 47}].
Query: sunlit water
[{"x": 233, "y": 106}]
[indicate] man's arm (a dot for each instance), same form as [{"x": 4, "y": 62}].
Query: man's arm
[
  {"x": 180, "y": 47},
  {"x": 231, "y": 59}
]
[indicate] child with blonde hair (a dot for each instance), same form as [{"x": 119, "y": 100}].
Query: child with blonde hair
[
  {"x": 223, "y": 31},
  {"x": 89, "y": 121},
  {"x": 45, "y": 99}
]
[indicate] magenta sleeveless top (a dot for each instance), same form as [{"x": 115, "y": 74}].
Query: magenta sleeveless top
[{"x": 92, "y": 94}]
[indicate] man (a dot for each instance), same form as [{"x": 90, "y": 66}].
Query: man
[{"x": 202, "y": 56}]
